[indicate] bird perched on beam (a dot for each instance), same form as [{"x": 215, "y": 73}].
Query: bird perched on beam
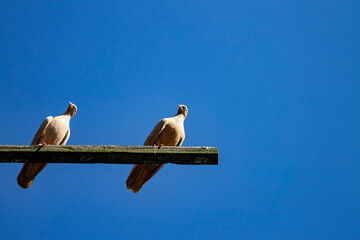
[
  {"x": 53, "y": 131},
  {"x": 168, "y": 132}
]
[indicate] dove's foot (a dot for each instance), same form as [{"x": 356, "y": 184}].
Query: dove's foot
[{"x": 159, "y": 146}]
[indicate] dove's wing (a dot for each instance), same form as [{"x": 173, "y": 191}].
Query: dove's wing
[
  {"x": 28, "y": 173},
  {"x": 151, "y": 139},
  {"x": 181, "y": 141},
  {"x": 41, "y": 130},
  {"x": 141, "y": 174},
  {"x": 66, "y": 138}
]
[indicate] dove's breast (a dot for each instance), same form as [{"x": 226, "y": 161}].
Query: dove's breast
[
  {"x": 56, "y": 131},
  {"x": 172, "y": 134}
]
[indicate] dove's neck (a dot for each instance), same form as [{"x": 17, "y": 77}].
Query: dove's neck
[
  {"x": 180, "y": 116},
  {"x": 67, "y": 115}
]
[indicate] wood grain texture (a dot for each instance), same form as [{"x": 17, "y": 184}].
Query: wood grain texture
[{"x": 108, "y": 154}]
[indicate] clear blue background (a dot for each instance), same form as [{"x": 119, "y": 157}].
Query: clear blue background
[{"x": 273, "y": 84}]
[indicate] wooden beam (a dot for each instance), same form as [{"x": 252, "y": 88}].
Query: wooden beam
[{"x": 108, "y": 154}]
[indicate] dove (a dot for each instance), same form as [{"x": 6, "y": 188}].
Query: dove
[
  {"x": 53, "y": 131},
  {"x": 168, "y": 132}
]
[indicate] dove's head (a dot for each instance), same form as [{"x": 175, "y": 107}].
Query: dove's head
[
  {"x": 183, "y": 110},
  {"x": 71, "y": 109}
]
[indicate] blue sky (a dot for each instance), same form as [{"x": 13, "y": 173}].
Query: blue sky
[{"x": 273, "y": 84}]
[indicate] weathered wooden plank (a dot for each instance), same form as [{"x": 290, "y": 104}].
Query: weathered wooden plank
[{"x": 108, "y": 154}]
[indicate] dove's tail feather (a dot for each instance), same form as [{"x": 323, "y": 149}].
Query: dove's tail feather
[
  {"x": 141, "y": 174},
  {"x": 28, "y": 173}
]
